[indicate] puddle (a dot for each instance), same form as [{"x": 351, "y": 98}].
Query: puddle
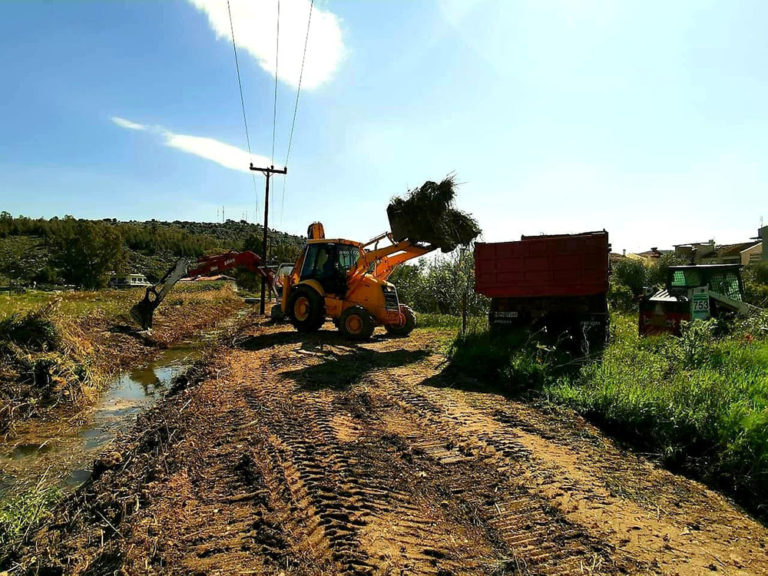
[{"x": 65, "y": 454}]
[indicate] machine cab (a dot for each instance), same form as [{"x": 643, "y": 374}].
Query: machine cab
[{"x": 328, "y": 262}]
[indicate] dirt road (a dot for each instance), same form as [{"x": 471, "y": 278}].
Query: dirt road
[{"x": 308, "y": 455}]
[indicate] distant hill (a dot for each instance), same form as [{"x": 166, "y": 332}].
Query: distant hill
[{"x": 32, "y": 249}]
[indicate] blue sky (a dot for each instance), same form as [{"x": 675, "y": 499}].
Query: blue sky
[{"x": 648, "y": 119}]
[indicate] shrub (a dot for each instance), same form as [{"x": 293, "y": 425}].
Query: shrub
[
  {"x": 630, "y": 273},
  {"x": 19, "y": 514},
  {"x": 756, "y": 284},
  {"x": 700, "y": 400},
  {"x": 657, "y": 274},
  {"x": 441, "y": 286},
  {"x": 34, "y": 330},
  {"x": 620, "y": 296}
]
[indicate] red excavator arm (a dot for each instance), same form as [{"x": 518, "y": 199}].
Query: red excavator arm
[
  {"x": 210, "y": 264},
  {"x": 144, "y": 310}
]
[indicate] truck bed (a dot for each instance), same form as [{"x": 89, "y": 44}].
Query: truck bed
[{"x": 555, "y": 265}]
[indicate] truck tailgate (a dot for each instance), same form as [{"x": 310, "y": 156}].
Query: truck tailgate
[{"x": 561, "y": 265}]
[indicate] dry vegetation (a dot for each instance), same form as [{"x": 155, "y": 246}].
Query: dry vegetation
[
  {"x": 287, "y": 453},
  {"x": 57, "y": 351}
]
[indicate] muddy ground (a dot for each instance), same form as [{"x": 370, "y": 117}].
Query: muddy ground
[
  {"x": 101, "y": 345},
  {"x": 295, "y": 454}
]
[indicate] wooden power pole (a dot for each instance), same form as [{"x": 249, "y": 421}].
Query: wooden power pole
[{"x": 268, "y": 173}]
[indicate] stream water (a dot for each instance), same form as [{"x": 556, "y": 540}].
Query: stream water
[{"x": 63, "y": 453}]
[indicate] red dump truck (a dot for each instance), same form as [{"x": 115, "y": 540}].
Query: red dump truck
[{"x": 553, "y": 282}]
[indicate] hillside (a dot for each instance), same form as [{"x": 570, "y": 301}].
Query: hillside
[{"x": 35, "y": 250}]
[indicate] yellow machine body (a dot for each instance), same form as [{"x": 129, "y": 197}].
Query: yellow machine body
[{"x": 346, "y": 274}]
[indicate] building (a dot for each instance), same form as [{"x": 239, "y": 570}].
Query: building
[
  {"x": 649, "y": 257},
  {"x": 129, "y": 281},
  {"x": 762, "y": 234},
  {"x": 710, "y": 253},
  {"x": 742, "y": 253},
  {"x": 695, "y": 252}
]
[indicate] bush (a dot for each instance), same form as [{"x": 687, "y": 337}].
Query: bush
[
  {"x": 700, "y": 400},
  {"x": 657, "y": 274},
  {"x": 620, "y": 296},
  {"x": 502, "y": 361},
  {"x": 34, "y": 330},
  {"x": 19, "y": 514},
  {"x": 441, "y": 286},
  {"x": 630, "y": 273},
  {"x": 756, "y": 284}
]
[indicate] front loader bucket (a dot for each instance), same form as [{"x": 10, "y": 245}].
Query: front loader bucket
[{"x": 144, "y": 310}]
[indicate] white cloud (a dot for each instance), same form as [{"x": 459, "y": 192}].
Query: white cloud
[
  {"x": 224, "y": 154},
  {"x": 211, "y": 149},
  {"x": 255, "y": 32},
  {"x": 123, "y": 123}
]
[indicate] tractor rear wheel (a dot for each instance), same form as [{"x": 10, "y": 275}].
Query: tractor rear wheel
[
  {"x": 306, "y": 309},
  {"x": 356, "y": 323},
  {"x": 408, "y": 324}
]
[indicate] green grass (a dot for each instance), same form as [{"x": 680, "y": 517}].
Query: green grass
[
  {"x": 474, "y": 323},
  {"x": 20, "y": 514},
  {"x": 699, "y": 401},
  {"x": 111, "y": 303},
  {"x": 76, "y": 304}
]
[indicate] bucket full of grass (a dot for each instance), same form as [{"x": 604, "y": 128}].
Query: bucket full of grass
[{"x": 427, "y": 215}]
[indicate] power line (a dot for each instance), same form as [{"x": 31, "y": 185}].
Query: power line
[
  {"x": 296, "y": 104},
  {"x": 277, "y": 54},
  {"x": 239, "y": 82},
  {"x": 242, "y": 99}
]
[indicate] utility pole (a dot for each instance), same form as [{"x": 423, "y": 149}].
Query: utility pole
[{"x": 268, "y": 173}]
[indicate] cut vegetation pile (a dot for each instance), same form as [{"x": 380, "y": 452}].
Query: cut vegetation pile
[
  {"x": 58, "y": 352},
  {"x": 43, "y": 362},
  {"x": 427, "y": 215}
]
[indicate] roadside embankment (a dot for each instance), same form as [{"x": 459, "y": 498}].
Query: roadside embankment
[
  {"x": 57, "y": 351},
  {"x": 698, "y": 403}
]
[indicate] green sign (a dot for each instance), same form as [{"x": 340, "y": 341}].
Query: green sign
[{"x": 700, "y": 304}]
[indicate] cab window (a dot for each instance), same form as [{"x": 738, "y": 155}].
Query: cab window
[
  {"x": 318, "y": 262},
  {"x": 347, "y": 256}
]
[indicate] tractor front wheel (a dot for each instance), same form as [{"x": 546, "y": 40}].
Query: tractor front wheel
[
  {"x": 356, "y": 323},
  {"x": 408, "y": 322},
  {"x": 306, "y": 309}
]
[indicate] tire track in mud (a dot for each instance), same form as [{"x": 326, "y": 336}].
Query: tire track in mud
[
  {"x": 349, "y": 491},
  {"x": 344, "y": 489},
  {"x": 480, "y": 471},
  {"x": 306, "y": 457}
]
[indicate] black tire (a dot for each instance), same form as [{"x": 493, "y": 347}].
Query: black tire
[
  {"x": 356, "y": 323},
  {"x": 407, "y": 327},
  {"x": 306, "y": 309}
]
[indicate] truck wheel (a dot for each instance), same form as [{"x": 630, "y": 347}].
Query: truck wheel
[
  {"x": 407, "y": 326},
  {"x": 306, "y": 309},
  {"x": 356, "y": 323}
]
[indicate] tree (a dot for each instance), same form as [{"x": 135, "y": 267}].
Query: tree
[
  {"x": 87, "y": 252},
  {"x": 440, "y": 286},
  {"x": 630, "y": 273},
  {"x": 657, "y": 274}
]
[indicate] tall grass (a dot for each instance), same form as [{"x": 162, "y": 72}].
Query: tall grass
[
  {"x": 700, "y": 401},
  {"x": 20, "y": 514}
]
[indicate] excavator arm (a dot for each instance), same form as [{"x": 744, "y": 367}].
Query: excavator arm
[{"x": 144, "y": 310}]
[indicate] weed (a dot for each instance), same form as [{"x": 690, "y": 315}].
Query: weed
[
  {"x": 20, "y": 514},
  {"x": 699, "y": 401},
  {"x": 33, "y": 330}
]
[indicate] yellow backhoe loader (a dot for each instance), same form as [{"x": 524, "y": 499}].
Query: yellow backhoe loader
[{"x": 346, "y": 281}]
